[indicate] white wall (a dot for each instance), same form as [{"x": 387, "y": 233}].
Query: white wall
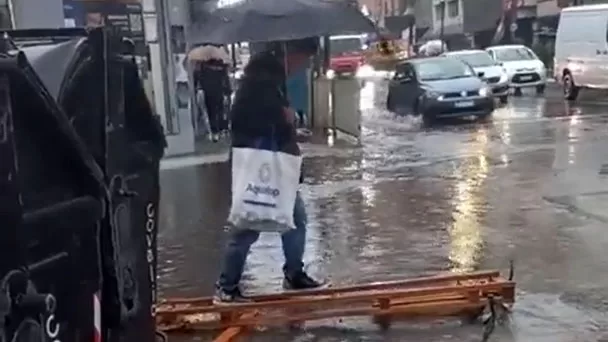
[
  {"x": 547, "y": 8},
  {"x": 448, "y": 21},
  {"x": 423, "y": 9},
  {"x": 37, "y": 13}
]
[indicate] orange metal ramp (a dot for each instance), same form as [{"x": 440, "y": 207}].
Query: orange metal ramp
[{"x": 464, "y": 295}]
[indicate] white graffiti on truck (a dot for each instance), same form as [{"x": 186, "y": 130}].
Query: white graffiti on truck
[
  {"x": 150, "y": 255},
  {"x": 51, "y": 328}
]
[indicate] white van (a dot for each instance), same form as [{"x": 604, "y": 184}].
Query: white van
[{"x": 581, "y": 49}]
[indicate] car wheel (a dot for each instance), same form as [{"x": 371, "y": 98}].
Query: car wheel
[
  {"x": 517, "y": 92},
  {"x": 417, "y": 109},
  {"x": 503, "y": 99},
  {"x": 428, "y": 118},
  {"x": 485, "y": 117},
  {"x": 570, "y": 89},
  {"x": 540, "y": 89},
  {"x": 389, "y": 103}
]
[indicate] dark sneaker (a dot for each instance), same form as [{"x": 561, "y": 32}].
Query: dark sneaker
[
  {"x": 300, "y": 281},
  {"x": 229, "y": 297}
]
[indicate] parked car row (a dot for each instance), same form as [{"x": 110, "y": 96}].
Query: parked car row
[
  {"x": 464, "y": 83},
  {"x": 580, "y": 62},
  {"x": 506, "y": 67}
]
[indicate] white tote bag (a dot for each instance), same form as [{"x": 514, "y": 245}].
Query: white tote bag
[{"x": 264, "y": 189}]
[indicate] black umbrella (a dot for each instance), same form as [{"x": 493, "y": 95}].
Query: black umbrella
[{"x": 280, "y": 20}]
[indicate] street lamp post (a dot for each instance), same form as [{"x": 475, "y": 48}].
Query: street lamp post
[
  {"x": 442, "y": 23},
  {"x": 411, "y": 27},
  {"x": 513, "y": 8}
]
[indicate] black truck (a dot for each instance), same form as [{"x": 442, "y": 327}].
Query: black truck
[{"x": 80, "y": 148}]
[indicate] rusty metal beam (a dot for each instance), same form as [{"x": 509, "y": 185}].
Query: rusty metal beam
[
  {"x": 414, "y": 282},
  {"x": 436, "y": 296}
]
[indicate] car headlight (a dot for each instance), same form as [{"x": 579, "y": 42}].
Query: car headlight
[
  {"x": 434, "y": 95},
  {"x": 365, "y": 71},
  {"x": 485, "y": 91},
  {"x": 330, "y": 74},
  {"x": 542, "y": 70},
  {"x": 503, "y": 77}
]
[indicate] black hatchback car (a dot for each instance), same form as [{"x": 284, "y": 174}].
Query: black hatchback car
[{"x": 439, "y": 87}]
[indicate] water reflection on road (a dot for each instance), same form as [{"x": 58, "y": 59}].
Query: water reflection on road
[{"x": 412, "y": 201}]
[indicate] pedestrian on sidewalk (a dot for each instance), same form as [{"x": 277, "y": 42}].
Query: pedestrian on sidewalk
[
  {"x": 261, "y": 112},
  {"x": 211, "y": 76}
]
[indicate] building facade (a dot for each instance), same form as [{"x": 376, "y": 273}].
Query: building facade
[
  {"x": 460, "y": 21},
  {"x": 398, "y": 15},
  {"x": 379, "y": 9},
  {"x": 481, "y": 23},
  {"x": 464, "y": 23},
  {"x": 548, "y": 8},
  {"x": 423, "y": 10},
  {"x": 536, "y": 21}
]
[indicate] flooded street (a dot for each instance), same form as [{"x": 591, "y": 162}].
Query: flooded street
[{"x": 527, "y": 185}]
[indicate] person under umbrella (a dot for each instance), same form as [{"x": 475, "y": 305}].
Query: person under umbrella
[
  {"x": 261, "y": 113},
  {"x": 211, "y": 76}
]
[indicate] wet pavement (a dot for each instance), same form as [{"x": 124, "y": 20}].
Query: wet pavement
[{"x": 528, "y": 185}]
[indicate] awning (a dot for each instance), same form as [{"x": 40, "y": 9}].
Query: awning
[{"x": 398, "y": 23}]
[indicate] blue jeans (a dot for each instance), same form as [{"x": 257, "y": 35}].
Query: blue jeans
[{"x": 241, "y": 240}]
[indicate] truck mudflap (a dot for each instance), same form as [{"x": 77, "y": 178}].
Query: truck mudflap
[{"x": 82, "y": 192}]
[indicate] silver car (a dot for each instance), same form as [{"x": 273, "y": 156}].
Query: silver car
[{"x": 489, "y": 70}]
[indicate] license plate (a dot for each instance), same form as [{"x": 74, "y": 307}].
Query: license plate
[
  {"x": 526, "y": 78},
  {"x": 464, "y": 104}
]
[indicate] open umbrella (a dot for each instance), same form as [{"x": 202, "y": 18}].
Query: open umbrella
[
  {"x": 208, "y": 52},
  {"x": 280, "y": 20}
]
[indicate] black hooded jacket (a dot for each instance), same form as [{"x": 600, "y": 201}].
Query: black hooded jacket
[
  {"x": 258, "y": 113},
  {"x": 212, "y": 77}
]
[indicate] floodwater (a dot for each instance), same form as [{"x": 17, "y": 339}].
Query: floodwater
[{"x": 527, "y": 185}]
